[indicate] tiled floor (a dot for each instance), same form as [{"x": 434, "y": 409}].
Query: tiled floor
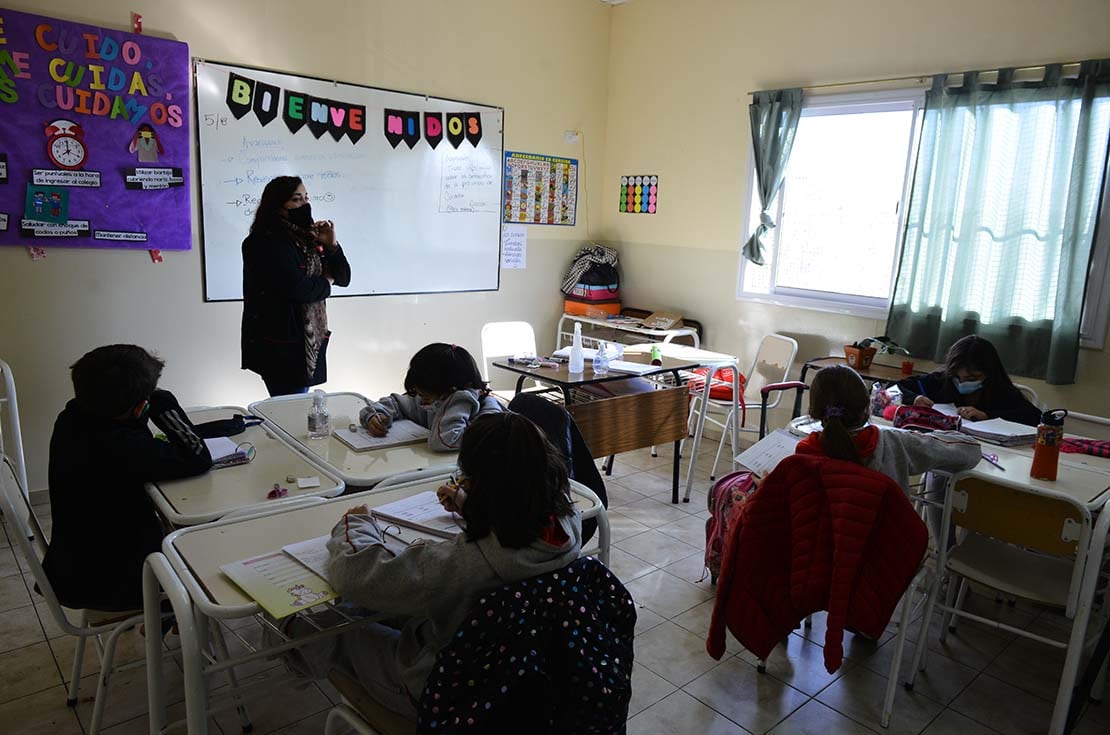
[{"x": 979, "y": 681}]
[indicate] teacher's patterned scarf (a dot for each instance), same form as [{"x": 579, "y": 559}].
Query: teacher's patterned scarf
[{"x": 315, "y": 313}]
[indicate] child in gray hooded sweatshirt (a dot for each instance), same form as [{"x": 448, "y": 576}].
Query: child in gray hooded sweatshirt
[
  {"x": 513, "y": 495},
  {"x": 444, "y": 392}
]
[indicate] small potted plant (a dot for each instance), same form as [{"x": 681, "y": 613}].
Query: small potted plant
[{"x": 859, "y": 354}]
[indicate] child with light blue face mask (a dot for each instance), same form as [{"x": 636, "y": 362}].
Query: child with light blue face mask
[{"x": 974, "y": 379}]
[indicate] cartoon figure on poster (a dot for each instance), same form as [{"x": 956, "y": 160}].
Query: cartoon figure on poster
[
  {"x": 46, "y": 204},
  {"x": 65, "y": 145},
  {"x": 145, "y": 144}
]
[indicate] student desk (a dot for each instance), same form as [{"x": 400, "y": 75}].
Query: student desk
[
  {"x": 188, "y": 571},
  {"x": 623, "y": 422},
  {"x": 216, "y": 493},
  {"x": 288, "y": 415}
]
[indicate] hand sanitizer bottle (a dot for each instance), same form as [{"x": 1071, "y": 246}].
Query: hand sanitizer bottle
[
  {"x": 318, "y": 423},
  {"x": 601, "y": 360},
  {"x": 577, "y": 361}
]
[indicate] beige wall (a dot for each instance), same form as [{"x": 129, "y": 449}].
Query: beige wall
[
  {"x": 544, "y": 62},
  {"x": 679, "y": 73}
]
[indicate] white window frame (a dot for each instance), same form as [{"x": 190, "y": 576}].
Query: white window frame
[
  {"x": 827, "y": 104},
  {"x": 1096, "y": 301}
]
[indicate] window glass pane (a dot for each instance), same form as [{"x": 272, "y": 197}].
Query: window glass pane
[{"x": 839, "y": 227}]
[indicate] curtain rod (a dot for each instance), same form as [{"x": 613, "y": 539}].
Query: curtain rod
[{"x": 1022, "y": 73}]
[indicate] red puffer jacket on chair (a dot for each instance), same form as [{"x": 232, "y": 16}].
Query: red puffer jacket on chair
[{"x": 818, "y": 534}]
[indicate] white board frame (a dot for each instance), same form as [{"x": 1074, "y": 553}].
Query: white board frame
[{"x": 495, "y": 136}]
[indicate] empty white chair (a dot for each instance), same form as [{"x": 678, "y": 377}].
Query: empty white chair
[
  {"x": 772, "y": 364},
  {"x": 11, "y": 439}
]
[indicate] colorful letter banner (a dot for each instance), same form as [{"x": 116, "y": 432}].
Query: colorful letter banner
[
  {"x": 94, "y": 136},
  {"x": 539, "y": 190}
]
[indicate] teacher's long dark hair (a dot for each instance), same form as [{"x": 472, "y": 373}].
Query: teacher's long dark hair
[{"x": 274, "y": 196}]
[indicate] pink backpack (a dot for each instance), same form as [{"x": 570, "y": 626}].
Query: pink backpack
[{"x": 726, "y": 499}]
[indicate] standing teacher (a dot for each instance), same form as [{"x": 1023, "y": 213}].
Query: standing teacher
[{"x": 290, "y": 262}]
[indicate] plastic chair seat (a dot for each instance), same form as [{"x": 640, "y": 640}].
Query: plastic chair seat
[
  {"x": 1013, "y": 570},
  {"x": 721, "y": 387}
]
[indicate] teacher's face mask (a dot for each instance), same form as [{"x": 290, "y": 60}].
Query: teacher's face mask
[{"x": 301, "y": 216}]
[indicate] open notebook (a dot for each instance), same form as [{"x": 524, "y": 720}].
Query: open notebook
[
  {"x": 996, "y": 431},
  {"x": 401, "y": 432},
  {"x": 421, "y": 512}
]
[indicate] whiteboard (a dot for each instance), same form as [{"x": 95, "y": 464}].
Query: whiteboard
[{"x": 412, "y": 217}]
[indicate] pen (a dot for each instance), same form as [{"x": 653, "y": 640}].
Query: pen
[{"x": 993, "y": 459}]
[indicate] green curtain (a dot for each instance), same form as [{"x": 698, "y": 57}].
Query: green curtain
[
  {"x": 1002, "y": 217},
  {"x": 774, "y": 118}
]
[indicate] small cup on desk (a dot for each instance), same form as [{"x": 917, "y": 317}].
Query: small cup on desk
[{"x": 907, "y": 367}]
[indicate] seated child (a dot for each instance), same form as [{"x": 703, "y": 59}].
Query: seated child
[
  {"x": 520, "y": 522},
  {"x": 839, "y": 398},
  {"x": 101, "y": 454},
  {"x": 444, "y": 392},
  {"x": 974, "y": 379}
]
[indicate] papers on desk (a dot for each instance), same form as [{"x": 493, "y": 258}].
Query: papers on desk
[
  {"x": 765, "y": 454},
  {"x": 421, "y": 512},
  {"x": 1000, "y": 431},
  {"x": 312, "y": 553},
  {"x": 279, "y": 583},
  {"x": 632, "y": 368},
  {"x": 401, "y": 432},
  {"x": 225, "y": 452},
  {"x": 996, "y": 431}
]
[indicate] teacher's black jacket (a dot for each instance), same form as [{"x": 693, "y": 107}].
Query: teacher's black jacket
[
  {"x": 275, "y": 291},
  {"x": 104, "y": 523}
]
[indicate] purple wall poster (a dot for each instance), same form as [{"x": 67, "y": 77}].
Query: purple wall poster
[{"x": 94, "y": 136}]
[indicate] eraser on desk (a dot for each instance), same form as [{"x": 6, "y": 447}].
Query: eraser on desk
[{"x": 307, "y": 482}]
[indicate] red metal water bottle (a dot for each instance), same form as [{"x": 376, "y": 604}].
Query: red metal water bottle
[{"x": 1046, "y": 453}]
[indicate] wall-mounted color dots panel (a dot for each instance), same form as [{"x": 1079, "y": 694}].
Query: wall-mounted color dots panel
[{"x": 639, "y": 194}]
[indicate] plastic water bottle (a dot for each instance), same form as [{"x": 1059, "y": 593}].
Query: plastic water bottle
[
  {"x": 318, "y": 421},
  {"x": 577, "y": 360},
  {"x": 601, "y": 359}
]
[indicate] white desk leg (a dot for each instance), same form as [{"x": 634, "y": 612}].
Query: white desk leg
[
  {"x": 152, "y": 620},
  {"x": 196, "y": 695},
  {"x": 697, "y": 437}
]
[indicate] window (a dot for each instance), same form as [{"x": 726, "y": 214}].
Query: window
[{"x": 839, "y": 212}]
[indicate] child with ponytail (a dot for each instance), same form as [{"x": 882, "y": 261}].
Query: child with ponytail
[{"x": 838, "y": 397}]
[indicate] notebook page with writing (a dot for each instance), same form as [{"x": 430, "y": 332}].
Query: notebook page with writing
[
  {"x": 401, "y": 432},
  {"x": 765, "y": 454},
  {"x": 422, "y": 512}
]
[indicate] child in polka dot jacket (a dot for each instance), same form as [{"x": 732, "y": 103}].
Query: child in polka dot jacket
[{"x": 512, "y": 494}]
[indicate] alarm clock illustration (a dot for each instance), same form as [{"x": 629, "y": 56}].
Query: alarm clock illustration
[{"x": 66, "y": 144}]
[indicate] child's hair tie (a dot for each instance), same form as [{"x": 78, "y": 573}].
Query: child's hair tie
[{"x": 834, "y": 412}]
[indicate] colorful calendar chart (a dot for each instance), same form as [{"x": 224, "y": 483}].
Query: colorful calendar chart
[
  {"x": 540, "y": 190},
  {"x": 639, "y": 194}
]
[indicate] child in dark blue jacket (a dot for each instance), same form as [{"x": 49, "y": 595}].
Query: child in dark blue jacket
[
  {"x": 102, "y": 454},
  {"x": 974, "y": 379}
]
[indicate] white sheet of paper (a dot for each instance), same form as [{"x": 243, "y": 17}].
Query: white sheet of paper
[
  {"x": 3, "y": 221},
  {"x": 221, "y": 448},
  {"x": 401, "y": 432},
  {"x": 948, "y": 409},
  {"x": 765, "y": 454},
  {"x": 312, "y": 553},
  {"x": 514, "y": 246}
]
